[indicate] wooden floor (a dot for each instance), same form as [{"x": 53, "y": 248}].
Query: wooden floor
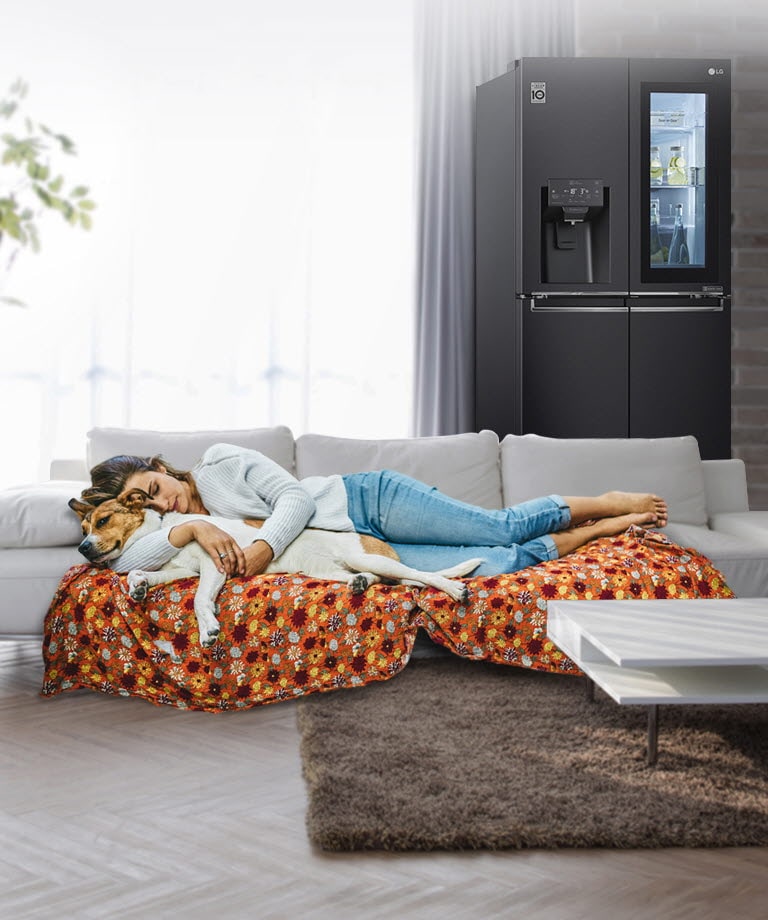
[{"x": 114, "y": 808}]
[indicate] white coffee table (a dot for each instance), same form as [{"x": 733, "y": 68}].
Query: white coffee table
[{"x": 654, "y": 652}]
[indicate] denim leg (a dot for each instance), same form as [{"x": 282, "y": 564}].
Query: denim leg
[
  {"x": 400, "y": 509},
  {"x": 497, "y": 560}
]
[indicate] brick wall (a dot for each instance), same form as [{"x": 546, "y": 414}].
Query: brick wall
[{"x": 736, "y": 29}]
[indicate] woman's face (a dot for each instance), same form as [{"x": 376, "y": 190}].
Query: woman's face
[{"x": 165, "y": 492}]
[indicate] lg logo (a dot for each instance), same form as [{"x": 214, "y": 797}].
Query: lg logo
[{"x": 715, "y": 71}]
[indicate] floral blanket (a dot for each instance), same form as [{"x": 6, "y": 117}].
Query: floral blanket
[{"x": 284, "y": 636}]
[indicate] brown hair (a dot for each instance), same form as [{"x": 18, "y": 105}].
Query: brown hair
[{"x": 109, "y": 477}]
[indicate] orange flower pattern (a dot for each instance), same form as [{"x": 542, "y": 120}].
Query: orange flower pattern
[
  {"x": 284, "y": 636},
  {"x": 505, "y": 620}
]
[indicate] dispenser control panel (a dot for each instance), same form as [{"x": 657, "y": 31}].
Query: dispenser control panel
[{"x": 579, "y": 193}]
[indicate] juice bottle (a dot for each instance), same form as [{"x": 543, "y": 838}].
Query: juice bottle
[
  {"x": 657, "y": 170},
  {"x": 677, "y": 174}
]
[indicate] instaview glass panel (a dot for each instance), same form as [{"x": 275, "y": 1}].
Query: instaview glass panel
[{"x": 678, "y": 180}]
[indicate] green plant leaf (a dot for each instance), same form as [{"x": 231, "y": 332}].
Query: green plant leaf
[
  {"x": 12, "y": 301},
  {"x": 37, "y": 171},
  {"x": 67, "y": 145},
  {"x": 43, "y": 195},
  {"x": 36, "y": 187},
  {"x": 19, "y": 88}
]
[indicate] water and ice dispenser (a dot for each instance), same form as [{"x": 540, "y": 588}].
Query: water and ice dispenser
[{"x": 575, "y": 225}]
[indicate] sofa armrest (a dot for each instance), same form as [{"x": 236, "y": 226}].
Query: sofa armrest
[
  {"x": 69, "y": 469},
  {"x": 38, "y": 515},
  {"x": 725, "y": 486},
  {"x": 749, "y": 526}
]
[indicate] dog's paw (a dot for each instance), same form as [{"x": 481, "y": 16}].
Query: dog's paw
[
  {"x": 209, "y": 629},
  {"x": 358, "y": 584},
  {"x": 137, "y": 585},
  {"x": 457, "y": 590},
  {"x": 209, "y": 636}
]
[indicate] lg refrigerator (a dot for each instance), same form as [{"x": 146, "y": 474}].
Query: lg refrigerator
[{"x": 602, "y": 234}]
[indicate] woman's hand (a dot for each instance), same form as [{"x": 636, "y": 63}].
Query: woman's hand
[
  {"x": 257, "y": 557},
  {"x": 220, "y": 546}
]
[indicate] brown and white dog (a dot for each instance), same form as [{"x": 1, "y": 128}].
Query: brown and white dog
[{"x": 357, "y": 560}]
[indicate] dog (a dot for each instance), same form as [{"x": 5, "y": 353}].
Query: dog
[{"x": 357, "y": 560}]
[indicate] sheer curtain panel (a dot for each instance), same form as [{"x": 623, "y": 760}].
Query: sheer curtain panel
[{"x": 459, "y": 44}]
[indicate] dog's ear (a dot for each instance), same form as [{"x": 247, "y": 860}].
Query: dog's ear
[
  {"x": 81, "y": 509},
  {"x": 134, "y": 499}
]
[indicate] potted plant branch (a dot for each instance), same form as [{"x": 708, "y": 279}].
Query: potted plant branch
[{"x": 30, "y": 185}]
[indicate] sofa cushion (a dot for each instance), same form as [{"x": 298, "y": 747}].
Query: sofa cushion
[
  {"x": 464, "y": 466},
  {"x": 38, "y": 515},
  {"x": 742, "y": 560},
  {"x": 183, "y": 449},
  {"x": 671, "y": 467}
]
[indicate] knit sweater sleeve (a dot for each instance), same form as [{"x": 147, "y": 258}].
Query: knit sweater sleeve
[{"x": 236, "y": 482}]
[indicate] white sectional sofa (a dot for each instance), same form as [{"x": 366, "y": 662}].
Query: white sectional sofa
[{"x": 707, "y": 499}]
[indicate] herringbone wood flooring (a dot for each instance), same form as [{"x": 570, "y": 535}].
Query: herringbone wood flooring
[{"x": 113, "y": 808}]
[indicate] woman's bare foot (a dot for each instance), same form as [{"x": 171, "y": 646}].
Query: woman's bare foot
[
  {"x": 638, "y": 502},
  {"x": 567, "y": 541},
  {"x": 614, "y": 504},
  {"x": 613, "y": 525}
]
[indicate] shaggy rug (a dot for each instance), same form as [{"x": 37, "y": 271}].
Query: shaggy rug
[{"x": 455, "y": 754}]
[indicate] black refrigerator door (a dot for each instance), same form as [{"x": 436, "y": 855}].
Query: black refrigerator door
[
  {"x": 679, "y": 187},
  {"x": 574, "y": 368},
  {"x": 680, "y": 374},
  {"x": 572, "y": 176}
]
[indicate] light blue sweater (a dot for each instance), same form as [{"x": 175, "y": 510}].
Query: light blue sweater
[{"x": 234, "y": 482}]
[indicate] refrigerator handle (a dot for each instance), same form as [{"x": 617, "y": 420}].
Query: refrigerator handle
[
  {"x": 683, "y": 308},
  {"x": 536, "y": 306}
]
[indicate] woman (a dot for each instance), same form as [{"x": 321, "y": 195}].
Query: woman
[{"x": 428, "y": 529}]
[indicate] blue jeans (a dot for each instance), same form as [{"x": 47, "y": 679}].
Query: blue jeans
[
  {"x": 496, "y": 559},
  {"x": 402, "y": 510}
]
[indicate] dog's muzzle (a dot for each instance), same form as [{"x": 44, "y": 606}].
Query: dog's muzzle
[{"x": 92, "y": 553}]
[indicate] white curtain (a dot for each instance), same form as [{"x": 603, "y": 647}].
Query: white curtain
[
  {"x": 251, "y": 261},
  {"x": 460, "y": 44}
]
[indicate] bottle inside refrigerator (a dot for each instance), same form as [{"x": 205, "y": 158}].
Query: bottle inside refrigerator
[{"x": 678, "y": 125}]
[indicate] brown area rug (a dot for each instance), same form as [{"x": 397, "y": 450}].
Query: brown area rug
[{"x": 455, "y": 754}]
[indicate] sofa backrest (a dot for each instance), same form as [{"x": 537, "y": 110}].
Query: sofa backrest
[
  {"x": 182, "y": 449},
  {"x": 532, "y": 465},
  {"x": 464, "y": 466}
]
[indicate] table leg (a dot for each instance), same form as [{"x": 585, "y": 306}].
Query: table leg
[
  {"x": 653, "y": 735},
  {"x": 590, "y": 688}
]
